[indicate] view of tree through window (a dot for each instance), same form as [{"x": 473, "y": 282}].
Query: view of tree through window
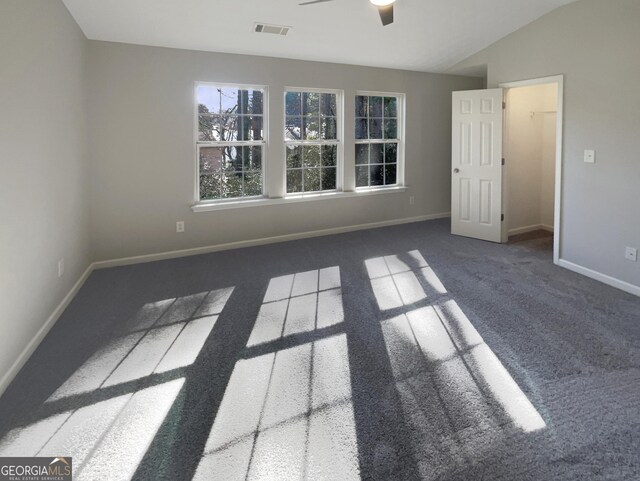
[
  {"x": 311, "y": 137},
  {"x": 377, "y": 140},
  {"x": 230, "y": 141}
]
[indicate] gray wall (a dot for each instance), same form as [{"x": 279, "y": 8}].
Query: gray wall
[
  {"x": 143, "y": 155},
  {"x": 43, "y": 167},
  {"x": 595, "y": 45}
]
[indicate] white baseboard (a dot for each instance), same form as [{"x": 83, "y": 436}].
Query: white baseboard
[
  {"x": 598, "y": 276},
  {"x": 530, "y": 228},
  {"x": 42, "y": 332},
  {"x": 262, "y": 241}
]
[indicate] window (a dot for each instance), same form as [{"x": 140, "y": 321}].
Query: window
[
  {"x": 230, "y": 143},
  {"x": 378, "y": 139},
  {"x": 312, "y": 140}
]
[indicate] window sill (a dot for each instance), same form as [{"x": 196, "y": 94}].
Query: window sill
[{"x": 293, "y": 199}]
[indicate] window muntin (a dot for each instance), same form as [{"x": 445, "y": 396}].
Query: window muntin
[
  {"x": 311, "y": 141},
  {"x": 377, "y": 140},
  {"x": 230, "y": 141}
]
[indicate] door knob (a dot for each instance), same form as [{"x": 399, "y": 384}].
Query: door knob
[{"x": 456, "y": 171}]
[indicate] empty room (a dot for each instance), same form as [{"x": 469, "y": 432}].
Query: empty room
[{"x": 319, "y": 240}]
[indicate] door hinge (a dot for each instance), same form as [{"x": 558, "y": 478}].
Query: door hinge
[
  {"x": 504, "y": 105},
  {"x": 501, "y": 217},
  {"x": 502, "y": 161}
]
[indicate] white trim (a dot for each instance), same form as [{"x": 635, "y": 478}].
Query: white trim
[
  {"x": 292, "y": 199},
  {"x": 530, "y": 228},
  {"x": 26, "y": 353},
  {"x": 598, "y": 276},
  {"x": 401, "y": 127},
  {"x": 264, "y": 143},
  {"x": 263, "y": 241},
  {"x": 557, "y": 220},
  {"x": 338, "y": 141}
]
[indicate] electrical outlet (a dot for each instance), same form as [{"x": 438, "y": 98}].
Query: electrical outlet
[
  {"x": 590, "y": 156},
  {"x": 180, "y": 226},
  {"x": 412, "y": 200},
  {"x": 60, "y": 267},
  {"x": 631, "y": 254}
]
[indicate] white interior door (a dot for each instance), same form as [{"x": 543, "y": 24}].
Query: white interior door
[{"x": 476, "y": 164}]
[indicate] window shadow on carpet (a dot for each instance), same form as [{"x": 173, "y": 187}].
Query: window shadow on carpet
[{"x": 362, "y": 369}]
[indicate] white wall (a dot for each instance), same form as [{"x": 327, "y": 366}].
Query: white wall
[
  {"x": 594, "y": 44},
  {"x": 530, "y": 142},
  {"x": 143, "y": 157},
  {"x": 43, "y": 168}
]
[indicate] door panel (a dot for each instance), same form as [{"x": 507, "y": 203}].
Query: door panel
[{"x": 476, "y": 184}]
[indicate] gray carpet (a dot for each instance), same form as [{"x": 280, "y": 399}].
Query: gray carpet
[{"x": 397, "y": 353}]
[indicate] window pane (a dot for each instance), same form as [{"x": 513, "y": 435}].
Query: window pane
[
  {"x": 293, "y": 103},
  {"x": 362, "y": 106},
  {"x": 311, "y": 118},
  {"x": 362, "y": 153},
  {"x": 229, "y": 100},
  {"x": 390, "y": 129},
  {"x": 310, "y": 103},
  {"x": 311, "y": 180},
  {"x": 375, "y": 128},
  {"x": 243, "y": 102},
  {"x": 311, "y": 156},
  {"x": 255, "y": 101},
  {"x": 232, "y": 184},
  {"x": 329, "y": 179},
  {"x": 253, "y": 183},
  {"x": 293, "y": 128},
  {"x": 294, "y": 181},
  {"x": 362, "y": 130},
  {"x": 252, "y": 158},
  {"x": 208, "y": 127},
  {"x": 230, "y": 160},
  {"x": 210, "y": 159},
  {"x": 390, "y": 153},
  {"x": 377, "y": 152},
  {"x": 329, "y": 155},
  {"x": 390, "y": 107},
  {"x": 208, "y": 98},
  {"x": 377, "y": 175},
  {"x": 328, "y": 106},
  {"x": 390, "y": 174},
  {"x": 228, "y": 130},
  {"x": 229, "y": 115},
  {"x": 375, "y": 106},
  {"x": 244, "y": 127},
  {"x": 210, "y": 186},
  {"x": 311, "y": 128},
  {"x": 328, "y": 128},
  {"x": 294, "y": 156},
  {"x": 256, "y": 131},
  {"x": 362, "y": 176}
]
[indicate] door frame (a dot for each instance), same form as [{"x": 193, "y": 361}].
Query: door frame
[{"x": 557, "y": 210}]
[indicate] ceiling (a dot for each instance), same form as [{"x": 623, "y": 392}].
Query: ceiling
[{"x": 427, "y": 35}]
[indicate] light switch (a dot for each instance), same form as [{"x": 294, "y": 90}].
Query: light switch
[{"x": 590, "y": 156}]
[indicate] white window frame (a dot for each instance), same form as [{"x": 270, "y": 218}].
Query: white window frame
[
  {"x": 400, "y": 161},
  {"x": 264, "y": 143},
  {"x": 339, "y": 141}
]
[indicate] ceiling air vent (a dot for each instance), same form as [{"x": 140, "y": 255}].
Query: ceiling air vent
[{"x": 274, "y": 29}]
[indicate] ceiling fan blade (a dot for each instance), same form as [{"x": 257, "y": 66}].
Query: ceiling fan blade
[
  {"x": 386, "y": 14},
  {"x": 314, "y": 1}
]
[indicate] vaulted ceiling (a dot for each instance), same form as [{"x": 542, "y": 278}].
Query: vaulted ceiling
[{"x": 427, "y": 35}]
